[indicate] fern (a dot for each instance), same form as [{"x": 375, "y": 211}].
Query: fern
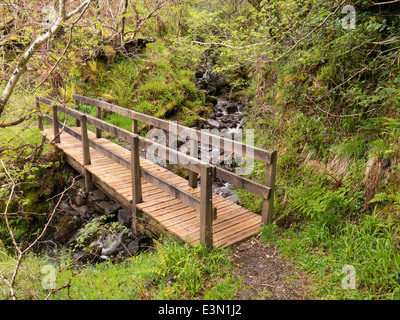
[
  {"x": 383, "y": 197},
  {"x": 316, "y": 200}
]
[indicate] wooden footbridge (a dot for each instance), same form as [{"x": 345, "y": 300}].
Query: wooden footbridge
[{"x": 156, "y": 196}]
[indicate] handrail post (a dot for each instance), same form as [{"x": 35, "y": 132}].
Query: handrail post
[
  {"x": 135, "y": 126},
  {"x": 39, "y": 117},
  {"x": 86, "y": 153},
  {"x": 268, "y": 204},
  {"x": 98, "y": 116},
  {"x": 194, "y": 147},
  {"x": 77, "y": 122},
  {"x": 136, "y": 184},
  {"x": 206, "y": 209},
  {"x": 56, "y": 127}
]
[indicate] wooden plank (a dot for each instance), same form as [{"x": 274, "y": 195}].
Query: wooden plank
[
  {"x": 223, "y": 214},
  {"x": 239, "y": 236},
  {"x": 235, "y": 228},
  {"x": 243, "y": 183},
  {"x": 171, "y": 189}
]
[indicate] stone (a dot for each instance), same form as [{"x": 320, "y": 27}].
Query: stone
[
  {"x": 67, "y": 227},
  {"x": 65, "y": 206},
  {"x": 112, "y": 244},
  {"x": 96, "y": 195},
  {"x": 107, "y": 208},
  {"x": 233, "y": 198},
  {"x": 78, "y": 194},
  {"x": 211, "y": 99},
  {"x": 213, "y": 123},
  {"x": 137, "y": 244},
  {"x": 125, "y": 218},
  {"x": 85, "y": 212}
]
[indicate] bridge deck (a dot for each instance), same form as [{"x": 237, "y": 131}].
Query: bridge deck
[{"x": 234, "y": 223}]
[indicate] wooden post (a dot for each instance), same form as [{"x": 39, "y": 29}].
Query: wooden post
[
  {"x": 135, "y": 126},
  {"x": 86, "y": 154},
  {"x": 98, "y": 116},
  {"x": 268, "y": 205},
  {"x": 194, "y": 152},
  {"x": 136, "y": 183},
  {"x": 56, "y": 126},
  {"x": 77, "y": 122},
  {"x": 39, "y": 119},
  {"x": 206, "y": 210}
]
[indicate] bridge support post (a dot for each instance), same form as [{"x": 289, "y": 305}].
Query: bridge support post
[
  {"x": 39, "y": 118},
  {"x": 86, "y": 154},
  {"x": 135, "y": 126},
  {"x": 77, "y": 122},
  {"x": 98, "y": 116},
  {"x": 136, "y": 184},
  {"x": 206, "y": 209},
  {"x": 56, "y": 126},
  {"x": 268, "y": 205}
]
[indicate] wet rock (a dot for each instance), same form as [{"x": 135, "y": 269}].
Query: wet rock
[
  {"x": 124, "y": 218},
  {"x": 96, "y": 195},
  {"x": 78, "y": 194},
  {"x": 65, "y": 206},
  {"x": 234, "y": 199},
  {"x": 211, "y": 99},
  {"x": 67, "y": 227},
  {"x": 112, "y": 245},
  {"x": 85, "y": 212},
  {"x": 107, "y": 208},
  {"x": 141, "y": 242},
  {"x": 213, "y": 123}
]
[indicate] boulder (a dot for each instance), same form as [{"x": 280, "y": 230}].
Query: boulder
[
  {"x": 213, "y": 123},
  {"x": 67, "y": 227},
  {"x": 107, "y": 208},
  {"x": 96, "y": 195},
  {"x": 78, "y": 194},
  {"x": 112, "y": 245},
  {"x": 141, "y": 242},
  {"x": 125, "y": 218},
  {"x": 85, "y": 212}
]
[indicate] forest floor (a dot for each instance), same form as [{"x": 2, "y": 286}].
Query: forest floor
[{"x": 266, "y": 275}]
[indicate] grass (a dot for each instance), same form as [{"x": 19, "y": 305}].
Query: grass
[
  {"x": 369, "y": 245},
  {"x": 172, "y": 271}
]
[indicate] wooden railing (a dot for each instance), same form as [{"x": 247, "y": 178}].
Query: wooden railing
[{"x": 196, "y": 167}]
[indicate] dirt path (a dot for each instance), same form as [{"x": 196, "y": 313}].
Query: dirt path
[{"x": 266, "y": 275}]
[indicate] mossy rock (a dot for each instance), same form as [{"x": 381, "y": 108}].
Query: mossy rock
[
  {"x": 211, "y": 99},
  {"x": 108, "y": 98},
  {"x": 67, "y": 227},
  {"x": 204, "y": 111},
  {"x": 240, "y": 96},
  {"x": 109, "y": 53},
  {"x": 182, "y": 172}
]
